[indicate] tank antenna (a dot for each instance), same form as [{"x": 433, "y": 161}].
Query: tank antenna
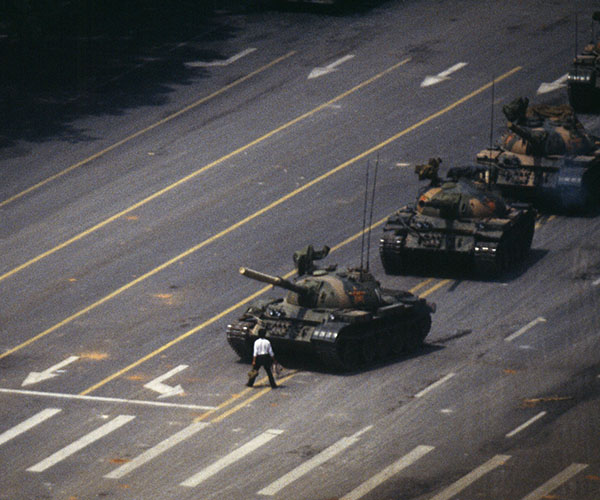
[
  {"x": 371, "y": 210},
  {"x": 364, "y": 221},
  {"x": 492, "y": 112}
]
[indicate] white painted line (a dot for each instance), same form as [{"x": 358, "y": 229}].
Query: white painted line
[
  {"x": 316, "y": 72},
  {"x": 471, "y": 477},
  {"x": 422, "y": 393},
  {"x": 31, "y": 422},
  {"x": 35, "y": 377},
  {"x": 234, "y": 456},
  {"x": 153, "y": 452},
  {"x": 225, "y": 62},
  {"x": 559, "y": 83},
  {"x": 387, "y": 473},
  {"x": 81, "y": 443},
  {"x": 106, "y": 400},
  {"x": 164, "y": 389},
  {"x": 443, "y": 75},
  {"x": 526, "y": 424},
  {"x": 555, "y": 482},
  {"x": 527, "y": 327},
  {"x": 314, "y": 462},
  {"x": 596, "y": 283}
]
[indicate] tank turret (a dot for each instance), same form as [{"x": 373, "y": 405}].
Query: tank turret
[
  {"x": 344, "y": 317},
  {"x": 457, "y": 222}
]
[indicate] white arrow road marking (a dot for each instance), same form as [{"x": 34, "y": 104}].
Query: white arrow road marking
[
  {"x": 555, "y": 85},
  {"x": 596, "y": 283},
  {"x": 388, "y": 472},
  {"x": 81, "y": 443},
  {"x": 440, "y": 77},
  {"x": 234, "y": 456},
  {"x": 35, "y": 377},
  {"x": 309, "y": 465},
  {"x": 555, "y": 482},
  {"x": 528, "y": 326},
  {"x": 31, "y": 422},
  {"x": 153, "y": 452},
  {"x": 225, "y": 62},
  {"x": 471, "y": 477},
  {"x": 316, "y": 72},
  {"x": 164, "y": 389}
]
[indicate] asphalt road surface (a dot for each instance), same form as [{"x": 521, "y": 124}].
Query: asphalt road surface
[{"x": 124, "y": 226}]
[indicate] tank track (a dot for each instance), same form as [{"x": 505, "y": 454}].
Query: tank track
[
  {"x": 238, "y": 338},
  {"x": 360, "y": 346},
  {"x": 493, "y": 258}
]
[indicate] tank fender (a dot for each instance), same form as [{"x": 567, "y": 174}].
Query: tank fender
[{"x": 327, "y": 331}]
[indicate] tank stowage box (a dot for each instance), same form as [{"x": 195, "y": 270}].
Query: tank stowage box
[
  {"x": 457, "y": 224},
  {"x": 343, "y": 317}
]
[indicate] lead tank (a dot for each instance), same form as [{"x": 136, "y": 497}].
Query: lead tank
[
  {"x": 343, "y": 317},
  {"x": 545, "y": 157},
  {"x": 456, "y": 223}
]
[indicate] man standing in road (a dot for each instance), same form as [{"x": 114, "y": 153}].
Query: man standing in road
[{"x": 262, "y": 356}]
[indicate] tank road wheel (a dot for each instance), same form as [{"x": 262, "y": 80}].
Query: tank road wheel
[
  {"x": 383, "y": 343},
  {"x": 398, "y": 340},
  {"x": 350, "y": 354},
  {"x": 417, "y": 331},
  {"x": 368, "y": 350}
]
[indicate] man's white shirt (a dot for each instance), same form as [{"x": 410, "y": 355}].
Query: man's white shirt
[{"x": 262, "y": 346}]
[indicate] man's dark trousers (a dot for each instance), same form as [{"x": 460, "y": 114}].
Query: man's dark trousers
[{"x": 265, "y": 361}]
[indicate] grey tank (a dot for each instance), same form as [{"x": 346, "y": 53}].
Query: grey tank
[{"x": 342, "y": 317}]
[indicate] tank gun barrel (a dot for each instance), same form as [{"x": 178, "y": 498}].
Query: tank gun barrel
[
  {"x": 535, "y": 138},
  {"x": 273, "y": 280}
]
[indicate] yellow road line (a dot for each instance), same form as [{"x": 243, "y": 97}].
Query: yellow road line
[
  {"x": 420, "y": 285},
  {"x": 202, "y": 170},
  {"x": 246, "y": 402},
  {"x": 435, "y": 287},
  {"x": 228, "y": 230},
  {"x": 147, "y": 129}
]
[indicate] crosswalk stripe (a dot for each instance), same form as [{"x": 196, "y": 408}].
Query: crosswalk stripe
[
  {"x": 234, "y": 456},
  {"x": 471, "y": 477},
  {"x": 555, "y": 482},
  {"x": 153, "y": 452},
  {"x": 81, "y": 443},
  {"x": 388, "y": 472},
  {"x": 309, "y": 465},
  {"x": 31, "y": 422}
]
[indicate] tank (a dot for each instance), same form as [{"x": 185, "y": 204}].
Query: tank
[
  {"x": 545, "y": 157},
  {"x": 456, "y": 224},
  {"x": 342, "y": 317},
  {"x": 582, "y": 78}
]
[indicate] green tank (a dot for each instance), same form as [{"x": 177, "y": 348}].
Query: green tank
[
  {"x": 456, "y": 224},
  {"x": 546, "y": 157},
  {"x": 343, "y": 317}
]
